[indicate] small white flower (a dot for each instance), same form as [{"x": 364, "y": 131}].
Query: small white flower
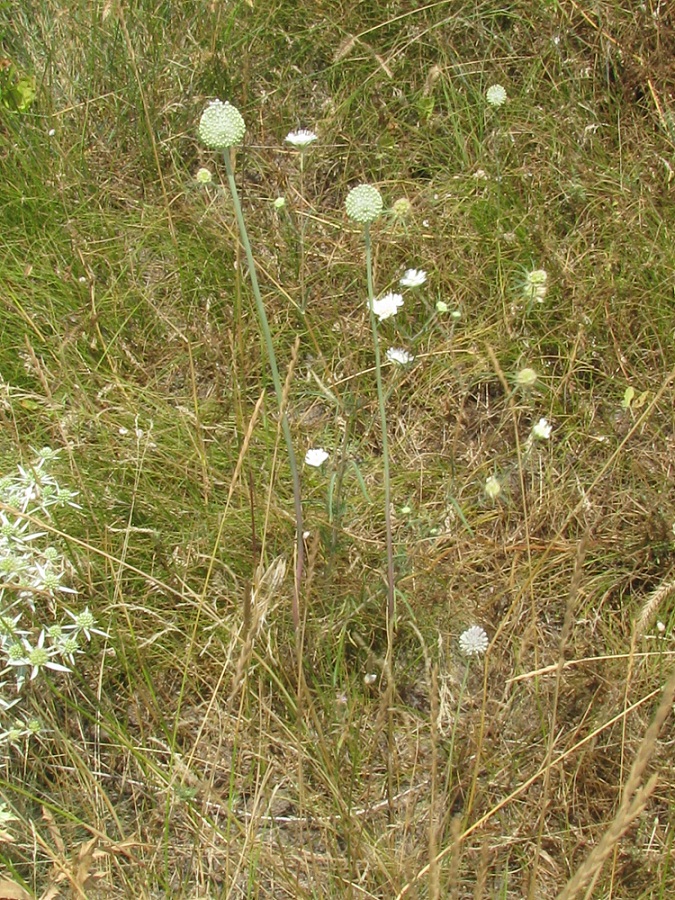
[
  {"x": 203, "y": 176},
  {"x": 496, "y": 95},
  {"x": 492, "y": 487},
  {"x": 441, "y": 306},
  {"x": 279, "y": 203},
  {"x": 35, "y": 657},
  {"x": 535, "y": 286},
  {"x": 401, "y": 208},
  {"x": 369, "y": 678},
  {"x": 387, "y": 306},
  {"x": 526, "y": 378},
  {"x": 51, "y": 132},
  {"x": 400, "y": 356},
  {"x": 301, "y": 139},
  {"x": 84, "y": 624},
  {"x": 542, "y": 430},
  {"x": 316, "y": 456},
  {"x": 413, "y": 278},
  {"x": 474, "y": 641},
  {"x": 364, "y": 203}
]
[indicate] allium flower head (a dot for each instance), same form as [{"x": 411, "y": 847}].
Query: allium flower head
[
  {"x": 474, "y": 641},
  {"x": 316, "y": 457},
  {"x": 203, "y": 176},
  {"x": 400, "y": 356},
  {"x": 542, "y": 430},
  {"x": 301, "y": 139},
  {"x": 492, "y": 487},
  {"x": 221, "y": 125},
  {"x": 364, "y": 203},
  {"x": 413, "y": 278},
  {"x": 496, "y": 95},
  {"x": 526, "y": 378},
  {"x": 387, "y": 306}
]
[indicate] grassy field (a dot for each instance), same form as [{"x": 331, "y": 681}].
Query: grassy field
[{"x": 200, "y": 745}]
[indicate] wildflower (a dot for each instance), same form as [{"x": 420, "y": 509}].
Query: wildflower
[
  {"x": 364, "y": 203},
  {"x": 441, "y": 306},
  {"x": 387, "y": 306},
  {"x": 397, "y": 355},
  {"x": 535, "y": 286},
  {"x": 492, "y": 487},
  {"x": 474, "y": 641},
  {"x": 203, "y": 176},
  {"x": 542, "y": 430},
  {"x": 36, "y": 657},
  {"x": 401, "y": 208},
  {"x": 301, "y": 139},
  {"x": 526, "y": 378},
  {"x": 221, "y": 125},
  {"x": 413, "y": 278},
  {"x": 456, "y": 314},
  {"x": 84, "y": 623},
  {"x": 316, "y": 457},
  {"x": 279, "y": 203},
  {"x": 496, "y": 95},
  {"x": 369, "y": 678}
]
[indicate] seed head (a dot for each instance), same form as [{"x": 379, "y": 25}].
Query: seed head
[
  {"x": 221, "y": 125},
  {"x": 364, "y": 203}
]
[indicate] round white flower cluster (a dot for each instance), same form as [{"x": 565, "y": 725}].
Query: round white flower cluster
[
  {"x": 474, "y": 641},
  {"x": 496, "y": 95},
  {"x": 364, "y": 203},
  {"x": 221, "y": 125}
]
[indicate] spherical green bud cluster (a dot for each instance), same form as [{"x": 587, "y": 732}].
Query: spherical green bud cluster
[
  {"x": 221, "y": 125},
  {"x": 364, "y": 203}
]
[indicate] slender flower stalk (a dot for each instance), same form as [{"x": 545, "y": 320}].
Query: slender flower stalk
[
  {"x": 364, "y": 204},
  {"x": 222, "y": 123}
]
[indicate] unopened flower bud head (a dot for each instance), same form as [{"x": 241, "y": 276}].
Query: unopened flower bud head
[
  {"x": 203, "y": 176},
  {"x": 492, "y": 488},
  {"x": 364, "y": 203},
  {"x": 526, "y": 378},
  {"x": 221, "y": 126},
  {"x": 402, "y": 208}
]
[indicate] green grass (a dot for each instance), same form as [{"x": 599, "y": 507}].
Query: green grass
[{"x": 190, "y": 750}]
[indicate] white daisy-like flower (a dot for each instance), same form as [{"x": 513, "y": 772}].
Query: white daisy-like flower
[
  {"x": 542, "y": 430},
  {"x": 399, "y": 355},
  {"x": 492, "y": 487},
  {"x": 496, "y": 95},
  {"x": 316, "y": 456},
  {"x": 301, "y": 139},
  {"x": 387, "y": 306},
  {"x": 413, "y": 278},
  {"x": 474, "y": 641},
  {"x": 221, "y": 125},
  {"x": 364, "y": 203}
]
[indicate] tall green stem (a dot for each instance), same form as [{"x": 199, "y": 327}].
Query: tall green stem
[
  {"x": 391, "y": 599},
  {"x": 278, "y": 388}
]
